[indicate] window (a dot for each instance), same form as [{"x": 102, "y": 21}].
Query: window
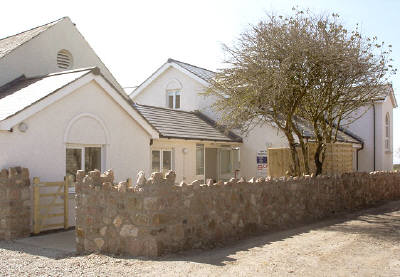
[
  {"x": 92, "y": 158},
  {"x": 74, "y": 161},
  {"x": 174, "y": 100},
  {"x": 236, "y": 158},
  {"x": 225, "y": 161},
  {"x": 199, "y": 159},
  {"x": 387, "y": 131},
  {"x": 161, "y": 160},
  {"x": 155, "y": 161},
  {"x": 82, "y": 158}
]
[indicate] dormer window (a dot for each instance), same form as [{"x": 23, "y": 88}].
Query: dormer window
[
  {"x": 174, "y": 99},
  {"x": 173, "y": 93}
]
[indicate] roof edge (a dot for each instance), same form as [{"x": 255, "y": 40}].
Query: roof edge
[
  {"x": 199, "y": 67},
  {"x": 52, "y": 23},
  {"x": 170, "y": 62},
  {"x": 222, "y": 129}
]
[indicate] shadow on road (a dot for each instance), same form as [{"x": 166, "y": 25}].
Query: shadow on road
[{"x": 381, "y": 223}]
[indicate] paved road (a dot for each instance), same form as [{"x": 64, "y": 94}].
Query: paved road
[{"x": 366, "y": 243}]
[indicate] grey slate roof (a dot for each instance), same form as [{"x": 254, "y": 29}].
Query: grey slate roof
[
  {"x": 22, "y": 92},
  {"x": 202, "y": 73},
  {"x": 342, "y": 136},
  {"x": 184, "y": 125},
  {"x": 8, "y": 44}
]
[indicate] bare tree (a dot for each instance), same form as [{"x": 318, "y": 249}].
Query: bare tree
[
  {"x": 303, "y": 66},
  {"x": 350, "y": 74}
]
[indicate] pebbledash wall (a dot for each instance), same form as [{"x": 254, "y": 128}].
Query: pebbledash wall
[
  {"x": 156, "y": 216},
  {"x": 15, "y": 203}
]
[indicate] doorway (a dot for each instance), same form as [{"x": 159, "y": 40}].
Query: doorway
[
  {"x": 211, "y": 164},
  {"x": 221, "y": 163}
]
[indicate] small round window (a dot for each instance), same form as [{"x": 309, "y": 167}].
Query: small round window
[{"x": 64, "y": 59}]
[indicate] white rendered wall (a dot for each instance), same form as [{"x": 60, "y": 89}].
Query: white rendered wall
[
  {"x": 191, "y": 99},
  {"x": 39, "y": 55},
  {"x": 258, "y": 139},
  {"x": 184, "y": 164},
  {"x": 155, "y": 94},
  {"x": 364, "y": 128},
  {"x": 41, "y": 148}
]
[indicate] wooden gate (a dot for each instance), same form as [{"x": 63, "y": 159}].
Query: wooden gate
[{"x": 46, "y": 206}]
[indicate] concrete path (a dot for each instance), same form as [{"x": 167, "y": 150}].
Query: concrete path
[{"x": 63, "y": 241}]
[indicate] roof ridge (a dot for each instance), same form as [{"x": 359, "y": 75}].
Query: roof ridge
[
  {"x": 176, "y": 61},
  {"x": 49, "y": 23}
]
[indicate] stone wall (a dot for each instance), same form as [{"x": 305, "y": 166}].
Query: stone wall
[
  {"x": 15, "y": 203},
  {"x": 156, "y": 216}
]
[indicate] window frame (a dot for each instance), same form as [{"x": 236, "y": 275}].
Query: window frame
[
  {"x": 199, "y": 145},
  {"x": 174, "y": 93},
  {"x": 161, "y": 165},
  {"x": 387, "y": 132},
  {"x": 82, "y": 148}
]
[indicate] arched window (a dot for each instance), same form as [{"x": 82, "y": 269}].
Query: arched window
[
  {"x": 173, "y": 90},
  {"x": 387, "y": 131}
]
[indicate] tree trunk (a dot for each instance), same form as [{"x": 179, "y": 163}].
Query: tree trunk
[
  {"x": 293, "y": 154},
  {"x": 304, "y": 152},
  {"x": 319, "y": 158}
]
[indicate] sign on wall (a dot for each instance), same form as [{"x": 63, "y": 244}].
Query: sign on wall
[{"x": 262, "y": 163}]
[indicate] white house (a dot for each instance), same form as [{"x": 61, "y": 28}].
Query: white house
[
  {"x": 62, "y": 110},
  {"x": 177, "y": 85},
  {"x": 375, "y": 127},
  {"x": 57, "y": 115}
]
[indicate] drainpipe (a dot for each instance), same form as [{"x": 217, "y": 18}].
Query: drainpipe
[
  {"x": 373, "y": 107},
  {"x": 358, "y": 150}
]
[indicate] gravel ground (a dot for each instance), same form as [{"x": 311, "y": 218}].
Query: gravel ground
[{"x": 366, "y": 243}]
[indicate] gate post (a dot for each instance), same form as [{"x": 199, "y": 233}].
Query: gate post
[
  {"x": 66, "y": 200},
  {"x": 36, "y": 205}
]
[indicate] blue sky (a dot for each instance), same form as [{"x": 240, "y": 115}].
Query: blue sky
[{"x": 133, "y": 38}]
